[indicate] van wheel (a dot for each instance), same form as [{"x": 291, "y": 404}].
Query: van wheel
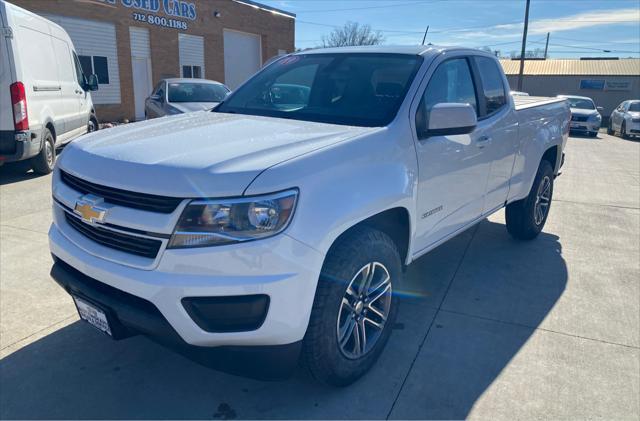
[
  {"x": 92, "y": 126},
  {"x": 44, "y": 162},
  {"x": 354, "y": 308},
  {"x": 526, "y": 217}
]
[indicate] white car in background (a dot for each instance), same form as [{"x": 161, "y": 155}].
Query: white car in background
[
  {"x": 626, "y": 119},
  {"x": 44, "y": 95},
  {"x": 585, "y": 116},
  {"x": 177, "y": 96}
]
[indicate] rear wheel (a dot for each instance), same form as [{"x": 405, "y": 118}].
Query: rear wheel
[
  {"x": 44, "y": 162},
  {"x": 354, "y": 309},
  {"x": 526, "y": 217}
]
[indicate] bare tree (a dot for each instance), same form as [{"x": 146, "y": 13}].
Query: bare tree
[{"x": 352, "y": 33}]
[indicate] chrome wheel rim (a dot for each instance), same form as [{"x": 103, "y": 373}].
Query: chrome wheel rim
[
  {"x": 48, "y": 150},
  {"x": 364, "y": 310},
  {"x": 92, "y": 126},
  {"x": 543, "y": 200}
]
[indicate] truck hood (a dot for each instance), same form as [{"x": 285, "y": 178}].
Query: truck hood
[{"x": 196, "y": 154}]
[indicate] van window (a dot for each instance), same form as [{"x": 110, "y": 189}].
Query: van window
[
  {"x": 492, "y": 84},
  {"x": 79, "y": 73},
  {"x": 451, "y": 82}
]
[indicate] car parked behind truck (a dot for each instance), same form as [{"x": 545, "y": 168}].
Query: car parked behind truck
[
  {"x": 266, "y": 230},
  {"x": 625, "y": 119},
  {"x": 45, "y": 99}
]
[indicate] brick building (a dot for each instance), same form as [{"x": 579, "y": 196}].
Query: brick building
[{"x": 132, "y": 44}]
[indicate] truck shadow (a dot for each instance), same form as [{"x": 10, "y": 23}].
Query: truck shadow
[
  {"x": 14, "y": 172},
  {"x": 468, "y": 308}
]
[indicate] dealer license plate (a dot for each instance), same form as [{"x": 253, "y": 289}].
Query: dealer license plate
[{"x": 96, "y": 317}]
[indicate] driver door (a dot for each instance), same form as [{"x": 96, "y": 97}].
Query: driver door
[{"x": 453, "y": 169}]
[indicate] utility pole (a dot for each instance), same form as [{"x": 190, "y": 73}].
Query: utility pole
[
  {"x": 524, "y": 45},
  {"x": 546, "y": 46},
  {"x": 424, "y": 38}
]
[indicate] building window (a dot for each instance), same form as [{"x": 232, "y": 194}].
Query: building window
[
  {"x": 192, "y": 71},
  {"x": 97, "y": 65}
]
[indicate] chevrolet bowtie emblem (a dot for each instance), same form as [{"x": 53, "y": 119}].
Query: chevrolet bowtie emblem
[{"x": 88, "y": 209}]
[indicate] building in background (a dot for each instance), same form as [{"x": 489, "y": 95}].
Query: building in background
[
  {"x": 132, "y": 44},
  {"x": 607, "y": 81}
]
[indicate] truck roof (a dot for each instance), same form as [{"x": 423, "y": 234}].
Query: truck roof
[{"x": 423, "y": 50}]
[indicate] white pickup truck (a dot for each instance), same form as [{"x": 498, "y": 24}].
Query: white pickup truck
[{"x": 279, "y": 224}]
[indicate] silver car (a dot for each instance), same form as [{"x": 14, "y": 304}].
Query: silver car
[
  {"x": 585, "y": 116},
  {"x": 176, "y": 96},
  {"x": 626, "y": 119}
]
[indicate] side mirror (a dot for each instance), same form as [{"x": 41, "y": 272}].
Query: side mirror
[
  {"x": 92, "y": 83},
  {"x": 449, "y": 118},
  {"x": 600, "y": 109},
  {"x": 155, "y": 98}
]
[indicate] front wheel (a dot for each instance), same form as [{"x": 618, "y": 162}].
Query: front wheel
[
  {"x": 354, "y": 308},
  {"x": 623, "y": 130},
  {"x": 92, "y": 125},
  {"x": 610, "y": 131},
  {"x": 526, "y": 217}
]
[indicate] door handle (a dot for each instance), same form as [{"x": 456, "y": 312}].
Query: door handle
[
  {"x": 79, "y": 92},
  {"x": 483, "y": 141}
]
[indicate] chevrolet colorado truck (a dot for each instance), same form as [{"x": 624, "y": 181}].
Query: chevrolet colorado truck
[{"x": 276, "y": 227}]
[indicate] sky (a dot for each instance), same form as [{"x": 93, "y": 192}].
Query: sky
[{"x": 579, "y": 28}]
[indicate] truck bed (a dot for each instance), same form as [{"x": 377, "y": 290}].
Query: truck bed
[{"x": 523, "y": 102}]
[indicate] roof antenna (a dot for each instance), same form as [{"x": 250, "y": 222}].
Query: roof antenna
[{"x": 425, "y": 35}]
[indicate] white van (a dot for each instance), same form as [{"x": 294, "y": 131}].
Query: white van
[{"x": 44, "y": 96}]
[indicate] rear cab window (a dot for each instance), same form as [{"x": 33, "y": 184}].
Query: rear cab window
[{"x": 493, "y": 89}]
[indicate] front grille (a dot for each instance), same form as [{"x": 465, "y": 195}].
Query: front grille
[
  {"x": 143, "y": 201},
  {"x": 579, "y": 118},
  {"x": 140, "y": 246}
]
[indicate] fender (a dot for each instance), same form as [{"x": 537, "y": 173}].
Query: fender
[
  {"x": 344, "y": 184},
  {"x": 537, "y": 133}
]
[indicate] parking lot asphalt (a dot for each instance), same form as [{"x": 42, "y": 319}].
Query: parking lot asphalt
[{"x": 489, "y": 328}]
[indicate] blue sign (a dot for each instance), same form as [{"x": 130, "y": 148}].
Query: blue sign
[{"x": 594, "y": 84}]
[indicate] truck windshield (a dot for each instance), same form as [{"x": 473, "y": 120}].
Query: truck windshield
[
  {"x": 352, "y": 89},
  {"x": 581, "y": 103},
  {"x": 196, "y": 92}
]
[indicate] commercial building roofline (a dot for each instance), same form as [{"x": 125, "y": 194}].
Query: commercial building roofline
[{"x": 267, "y": 8}]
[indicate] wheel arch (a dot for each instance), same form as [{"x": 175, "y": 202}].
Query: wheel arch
[{"x": 394, "y": 222}]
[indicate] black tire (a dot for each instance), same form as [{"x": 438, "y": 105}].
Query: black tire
[
  {"x": 326, "y": 359},
  {"x": 610, "y": 131},
  {"x": 44, "y": 162},
  {"x": 92, "y": 125},
  {"x": 623, "y": 131},
  {"x": 523, "y": 223}
]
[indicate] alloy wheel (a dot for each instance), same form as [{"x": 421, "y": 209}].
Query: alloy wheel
[
  {"x": 364, "y": 310},
  {"x": 543, "y": 200}
]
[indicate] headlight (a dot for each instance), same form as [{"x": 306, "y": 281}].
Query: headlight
[
  {"x": 216, "y": 222},
  {"x": 595, "y": 117}
]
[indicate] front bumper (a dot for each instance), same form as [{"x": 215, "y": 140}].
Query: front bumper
[
  {"x": 584, "y": 126},
  {"x": 130, "y": 315},
  {"x": 280, "y": 267}
]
